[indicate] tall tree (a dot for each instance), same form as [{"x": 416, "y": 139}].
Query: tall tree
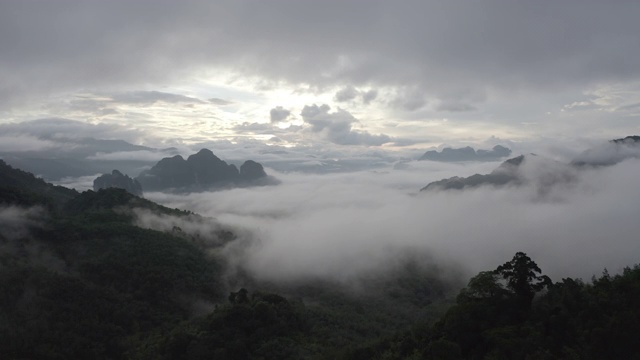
[{"x": 523, "y": 277}]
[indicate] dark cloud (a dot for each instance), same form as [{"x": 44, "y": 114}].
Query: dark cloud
[
  {"x": 350, "y": 93},
  {"x": 497, "y": 46},
  {"x": 19, "y": 142},
  {"x": 152, "y": 97},
  {"x": 369, "y": 96},
  {"x": 409, "y": 99},
  {"x": 455, "y": 107},
  {"x": 57, "y": 129},
  {"x": 140, "y": 155},
  {"x": 279, "y": 114},
  {"x": 337, "y": 126},
  {"x": 346, "y": 94}
]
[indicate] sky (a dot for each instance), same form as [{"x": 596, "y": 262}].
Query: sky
[
  {"x": 346, "y": 75},
  {"x": 366, "y": 86}
]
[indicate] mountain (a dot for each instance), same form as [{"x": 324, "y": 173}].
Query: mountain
[
  {"x": 506, "y": 173},
  {"x": 79, "y": 278},
  {"x": 543, "y": 172},
  {"x": 19, "y": 187},
  {"x": 251, "y": 170},
  {"x": 467, "y": 154},
  {"x": 117, "y": 180},
  {"x": 109, "y": 275},
  {"x": 610, "y": 153},
  {"x": 201, "y": 171}
]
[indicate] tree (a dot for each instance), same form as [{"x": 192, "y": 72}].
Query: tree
[
  {"x": 523, "y": 278},
  {"x": 485, "y": 285}
]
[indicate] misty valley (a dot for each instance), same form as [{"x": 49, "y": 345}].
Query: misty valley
[
  {"x": 533, "y": 258},
  {"x": 351, "y": 180}
]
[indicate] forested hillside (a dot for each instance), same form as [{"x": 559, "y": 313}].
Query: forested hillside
[
  {"x": 514, "y": 312},
  {"x": 81, "y": 277}
]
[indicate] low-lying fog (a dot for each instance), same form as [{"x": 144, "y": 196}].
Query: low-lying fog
[{"x": 340, "y": 225}]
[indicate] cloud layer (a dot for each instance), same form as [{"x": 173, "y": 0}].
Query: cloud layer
[
  {"x": 490, "y": 63},
  {"x": 429, "y": 44},
  {"x": 339, "y": 226}
]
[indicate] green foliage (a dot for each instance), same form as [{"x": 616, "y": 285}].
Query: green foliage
[
  {"x": 87, "y": 283},
  {"x": 263, "y": 326},
  {"x": 484, "y": 286},
  {"x": 114, "y": 198},
  {"x": 571, "y": 320},
  {"x": 149, "y": 288},
  {"x": 19, "y": 187},
  {"x": 521, "y": 274},
  {"x": 50, "y": 316}
]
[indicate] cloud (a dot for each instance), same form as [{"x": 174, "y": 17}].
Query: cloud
[
  {"x": 142, "y": 155},
  {"x": 409, "y": 99},
  {"x": 346, "y": 94},
  {"x": 80, "y": 183},
  {"x": 54, "y": 129},
  {"x": 609, "y": 153},
  {"x": 337, "y": 126},
  {"x": 16, "y": 222},
  {"x": 255, "y": 128},
  {"x": 433, "y": 46},
  {"x": 18, "y": 142},
  {"x": 16, "y": 225},
  {"x": 350, "y": 93},
  {"x": 220, "y": 102},
  {"x": 455, "y": 107},
  {"x": 278, "y": 114},
  {"x": 207, "y": 232},
  {"x": 152, "y": 97},
  {"x": 343, "y": 225},
  {"x": 369, "y": 96}
]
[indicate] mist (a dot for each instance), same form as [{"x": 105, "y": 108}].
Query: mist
[
  {"x": 341, "y": 226},
  {"x": 16, "y": 222}
]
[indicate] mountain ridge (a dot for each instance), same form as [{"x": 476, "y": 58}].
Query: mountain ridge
[
  {"x": 510, "y": 171},
  {"x": 199, "y": 172},
  {"x": 466, "y": 154}
]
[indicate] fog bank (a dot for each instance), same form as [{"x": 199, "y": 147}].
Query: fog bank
[{"x": 339, "y": 226}]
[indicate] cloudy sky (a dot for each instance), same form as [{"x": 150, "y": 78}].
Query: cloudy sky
[
  {"x": 353, "y": 84},
  {"x": 344, "y": 74}
]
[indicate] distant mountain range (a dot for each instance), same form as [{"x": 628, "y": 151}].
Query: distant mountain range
[
  {"x": 201, "y": 171},
  {"x": 610, "y": 153},
  {"x": 136, "y": 167},
  {"x": 545, "y": 172},
  {"x": 466, "y": 154},
  {"x": 109, "y": 275},
  {"x": 506, "y": 173},
  {"x": 117, "y": 180}
]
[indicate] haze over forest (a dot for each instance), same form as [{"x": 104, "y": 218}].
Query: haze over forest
[{"x": 344, "y": 111}]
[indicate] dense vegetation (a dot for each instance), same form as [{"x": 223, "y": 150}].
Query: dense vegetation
[
  {"x": 515, "y": 313},
  {"x": 80, "y": 280}
]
